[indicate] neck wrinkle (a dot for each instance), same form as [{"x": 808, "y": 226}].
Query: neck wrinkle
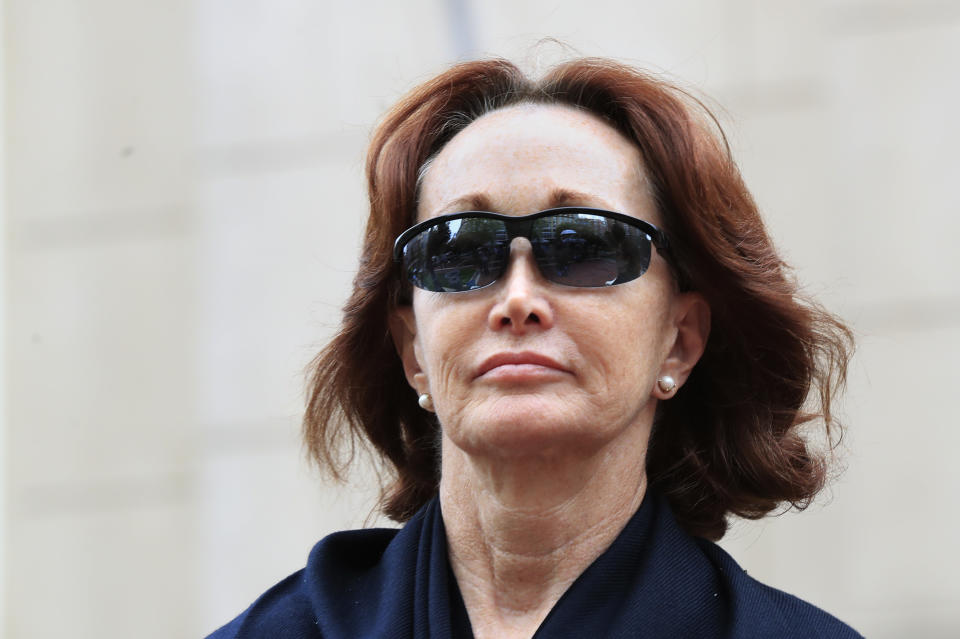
[{"x": 514, "y": 549}]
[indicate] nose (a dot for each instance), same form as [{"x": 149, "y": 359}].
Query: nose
[{"x": 522, "y": 304}]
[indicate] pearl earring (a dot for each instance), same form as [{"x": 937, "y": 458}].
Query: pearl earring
[
  {"x": 666, "y": 383},
  {"x": 426, "y": 402}
]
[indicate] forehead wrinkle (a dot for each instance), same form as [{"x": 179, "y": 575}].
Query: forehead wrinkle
[{"x": 634, "y": 171}]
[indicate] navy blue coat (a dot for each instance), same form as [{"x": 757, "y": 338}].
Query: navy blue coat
[{"x": 654, "y": 581}]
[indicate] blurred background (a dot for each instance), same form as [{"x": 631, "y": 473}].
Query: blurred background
[{"x": 182, "y": 198}]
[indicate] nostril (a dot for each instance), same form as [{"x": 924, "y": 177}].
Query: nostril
[
  {"x": 504, "y": 321},
  {"x": 533, "y": 318}
]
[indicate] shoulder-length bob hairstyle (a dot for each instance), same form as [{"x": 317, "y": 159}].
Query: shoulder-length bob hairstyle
[{"x": 729, "y": 442}]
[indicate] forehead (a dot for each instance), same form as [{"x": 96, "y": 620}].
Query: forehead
[{"x": 519, "y": 158}]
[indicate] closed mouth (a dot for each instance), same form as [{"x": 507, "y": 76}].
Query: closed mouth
[{"x": 525, "y": 358}]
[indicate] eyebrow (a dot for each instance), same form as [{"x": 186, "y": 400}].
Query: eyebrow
[
  {"x": 570, "y": 197},
  {"x": 471, "y": 202},
  {"x": 558, "y": 197}
]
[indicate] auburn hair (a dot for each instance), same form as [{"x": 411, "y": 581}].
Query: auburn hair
[{"x": 732, "y": 440}]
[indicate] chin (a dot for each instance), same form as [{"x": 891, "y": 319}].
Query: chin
[{"x": 522, "y": 425}]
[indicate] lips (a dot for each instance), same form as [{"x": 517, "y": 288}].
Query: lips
[{"x": 525, "y": 358}]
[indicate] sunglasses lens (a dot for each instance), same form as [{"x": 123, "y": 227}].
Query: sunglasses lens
[
  {"x": 582, "y": 249},
  {"x": 457, "y": 255}
]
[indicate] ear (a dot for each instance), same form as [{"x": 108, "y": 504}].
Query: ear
[
  {"x": 403, "y": 330},
  {"x": 691, "y": 319}
]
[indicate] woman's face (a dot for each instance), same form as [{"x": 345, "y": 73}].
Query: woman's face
[{"x": 526, "y": 366}]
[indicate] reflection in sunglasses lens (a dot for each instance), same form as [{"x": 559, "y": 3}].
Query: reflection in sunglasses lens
[{"x": 573, "y": 249}]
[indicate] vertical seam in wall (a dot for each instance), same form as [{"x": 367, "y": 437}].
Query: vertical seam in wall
[
  {"x": 462, "y": 29},
  {"x": 4, "y": 257}
]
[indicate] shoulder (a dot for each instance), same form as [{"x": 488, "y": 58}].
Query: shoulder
[
  {"x": 769, "y": 612},
  {"x": 289, "y": 610},
  {"x": 283, "y": 611}
]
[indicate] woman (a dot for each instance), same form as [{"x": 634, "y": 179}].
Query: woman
[{"x": 576, "y": 346}]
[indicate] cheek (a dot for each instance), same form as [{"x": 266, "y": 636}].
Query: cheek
[
  {"x": 442, "y": 334},
  {"x": 626, "y": 348}
]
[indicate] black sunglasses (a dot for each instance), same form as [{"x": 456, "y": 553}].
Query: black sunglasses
[{"x": 573, "y": 246}]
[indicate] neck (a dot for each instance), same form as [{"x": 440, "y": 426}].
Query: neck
[{"x": 521, "y": 530}]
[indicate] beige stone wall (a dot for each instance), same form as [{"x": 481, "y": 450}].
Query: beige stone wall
[{"x": 183, "y": 190}]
